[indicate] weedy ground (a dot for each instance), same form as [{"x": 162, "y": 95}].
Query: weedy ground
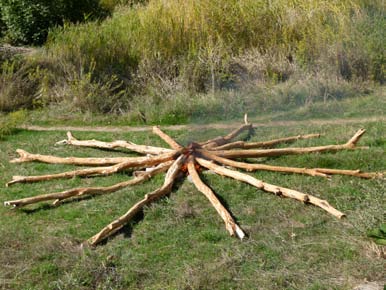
[{"x": 179, "y": 242}]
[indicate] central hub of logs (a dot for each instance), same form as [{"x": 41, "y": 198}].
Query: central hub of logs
[{"x": 190, "y": 151}]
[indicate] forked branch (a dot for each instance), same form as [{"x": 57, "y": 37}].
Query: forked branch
[
  {"x": 291, "y": 151},
  {"x": 215, "y": 142},
  {"x": 88, "y": 161},
  {"x": 142, "y": 149},
  {"x": 105, "y": 170},
  {"x": 264, "y": 144},
  {"x": 83, "y": 191}
]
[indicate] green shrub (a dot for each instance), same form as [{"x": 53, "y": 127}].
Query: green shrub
[
  {"x": 378, "y": 234},
  {"x": 2, "y": 24},
  {"x": 28, "y": 21},
  {"x": 19, "y": 84},
  {"x": 9, "y": 122}
]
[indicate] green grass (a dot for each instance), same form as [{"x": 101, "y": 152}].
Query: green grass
[
  {"x": 179, "y": 242},
  {"x": 270, "y": 104}
]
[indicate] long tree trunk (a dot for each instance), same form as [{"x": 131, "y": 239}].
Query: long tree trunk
[{"x": 277, "y": 190}]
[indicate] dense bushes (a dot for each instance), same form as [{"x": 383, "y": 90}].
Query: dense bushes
[
  {"x": 9, "y": 123},
  {"x": 2, "y": 24},
  {"x": 194, "y": 41},
  {"x": 19, "y": 84},
  {"x": 28, "y": 21},
  {"x": 151, "y": 53}
]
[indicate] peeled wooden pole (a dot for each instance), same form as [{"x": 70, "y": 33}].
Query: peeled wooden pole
[
  {"x": 350, "y": 145},
  {"x": 88, "y": 161},
  {"x": 278, "y": 190},
  {"x": 215, "y": 142},
  {"x": 322, "y": 172},
  {"x": 117, "y": 224},
  {"x": 264, "y": 144},
  {"x": 356, "y": 173},
  {"x": 172, "y": 143},
  {"x": 230, "y": 224},
  {"x": 105, "y": 170},
  {"x": 254, "y": 166},
  {"x": 142, "y": 149},
  {"x": 82, "y": 191}
]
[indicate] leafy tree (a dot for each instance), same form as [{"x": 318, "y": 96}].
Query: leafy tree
[{"x": 28, "y": 21}]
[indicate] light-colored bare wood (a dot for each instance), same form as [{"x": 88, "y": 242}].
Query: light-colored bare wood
[
  {"x": 322, "y": 172},
  {"x": 169, "y": 140},
  {"x": 254, "y": 153},
  {"x": 218, "y": 141},
  {"x": 142, "y": 149},
  {"x": 88, "y": 161},
  {"x": 230, "y": 224},
  {"x": 117, "y": 224},
  {"x": 175, "y": 162},
  {"x": 277, "y": 190},
  {"x": 83, "y": 191},
  {"x": 264, "y": 144},
  {"x": 255, "y": 166},
  {"x": 104, "y": 170},
  {"x": 356, "y": 173}
]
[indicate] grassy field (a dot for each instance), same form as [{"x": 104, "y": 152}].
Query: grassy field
[
  {"x": 179, "y": 242},
  {"x": 223, "y": 107}
]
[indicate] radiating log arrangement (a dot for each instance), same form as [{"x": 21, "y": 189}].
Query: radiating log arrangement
[{"x": 217, "y": 154}]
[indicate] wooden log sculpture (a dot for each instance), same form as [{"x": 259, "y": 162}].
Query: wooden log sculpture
[{"x": 213, "y": 154}]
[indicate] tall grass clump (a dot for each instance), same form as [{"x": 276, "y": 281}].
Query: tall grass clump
[
  {"x": 9, "y": 122},
  {"x": 19, "y": 83},
  {"x": 155, "y": 51},
  {"x": 182, "y": 34}
]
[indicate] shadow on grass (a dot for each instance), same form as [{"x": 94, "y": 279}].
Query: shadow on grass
[
  {"x": 225, "y": 204},
  {"x": 46, "y": 206},
  {"x": 126, "y": 230},
  {"x": 5, "y": 135}
]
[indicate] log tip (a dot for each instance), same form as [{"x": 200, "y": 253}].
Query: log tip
[
  {"x": 239, "y": 232},
  {"x": 15, "y": 179},
  {"x": 354, "y": 140},
  {"x": 86, "y": 245},
  {"x": 341, "y": 215},
  {"x": 9, "y": 183},
  {"x": 23, "y": 156},
  {"x": 21, "y": 152},
  {"x": 10, "y": 203},
  {"x": 246, "y": 119}
]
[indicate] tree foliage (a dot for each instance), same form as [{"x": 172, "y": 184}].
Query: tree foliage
[{"x": 28, "y": 21}]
